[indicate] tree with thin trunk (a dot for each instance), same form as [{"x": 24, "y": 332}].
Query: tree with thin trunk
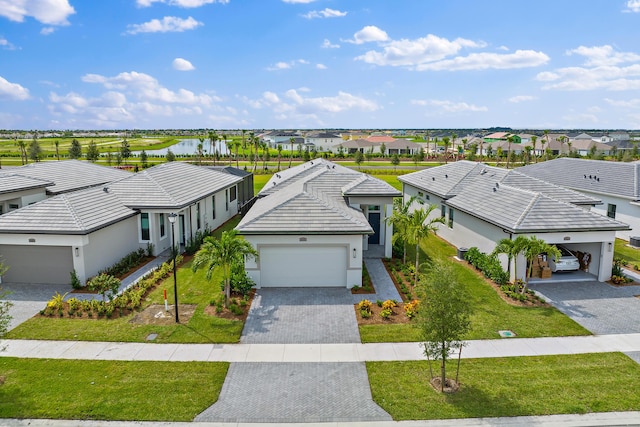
[
  {"x": 546, "y": 136},
  {"x": 419, "y": 228},
  {"x": 56, "y": 143},
  {"x": 279, "y": 155},
  {"x": 453, "y": 143},
  {"x": 92, "y": 151},
  {"x": 291, "y": 141},
  {"x": 444, "y": 317},
  {"x": 35, "y": 150},
  {"x": 446, "y": 142},
  {"x": 511, "y": 248},
  {"x": 399, "y": 220},
  {"x": 125, "y": 150},
  {"x": 236, "y": 146},
  {"x": 510, "y": 140},
  {"x": 199, "y": 149},
  {"x": 213, "y": 140},
  {"x": 250, "y": 143},
  {"x": 244, "y": 144},
  {"x": 75, "y": 151},
  {"x": 534, "y": 140},
  {"x": 358, "y": 158},
  {"x": 481, "y": 149},
  {"x": 395, "y": 161},
  {"x": 230, "y": 249}
]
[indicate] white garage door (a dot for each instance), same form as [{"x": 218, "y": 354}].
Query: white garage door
[
  {"x": 37, "y": 264},
  {"x": 294, "y": 266}
]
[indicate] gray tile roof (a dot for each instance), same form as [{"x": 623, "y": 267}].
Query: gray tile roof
[
  {"x": 309, "y": 199},
  {"x": 68, "y": 175},
  {"x": 12, "y": 183},
  {"x": 172, "y": 185},
  {"x": 79, "y": 212},
  {"x": 595, "y": 176}
]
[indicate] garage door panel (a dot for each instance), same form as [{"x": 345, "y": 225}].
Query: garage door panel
[
  {"x": 291, "y": 266},
  {"x": 37, "y": 264}
]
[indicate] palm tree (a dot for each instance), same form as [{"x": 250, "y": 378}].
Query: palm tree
[
  {"x": 57, "y": 144},
  {"x": 291, "y": 141},
  {"x": 250, "y": 143},
  {"x": 225, "y": 252},
  {"x": 23, "y": 150},
  {"x": 446, "y": 148},
  {"x": 546, "y": 136},
  {"x": 279, "y": 155},
  {"x": 511, "y": 248},
  {"x": 532, "y": 248},
  {"x": 236, "y": 145},
  {"x": 256, "y": 146},
  {"x": 453, "y": 143},
  {"x": 213, "y": 138},
  {"x": 419, "y": 227},
  {"x": 534, "y": 140},
  {"x": 399, "y": 219},
  {"x": 199, "y": 149},
  {"x": 569, "y": 144},
  {"x": 510, "y": 140},
  {"x": 244, "y": 144},
  {"x": 481, "y": 149}
]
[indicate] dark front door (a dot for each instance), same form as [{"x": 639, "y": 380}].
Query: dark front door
[{"x": 374, "y": 220}]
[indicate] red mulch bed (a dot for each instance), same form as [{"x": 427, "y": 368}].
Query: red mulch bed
[{"x": 212, "y": 310}]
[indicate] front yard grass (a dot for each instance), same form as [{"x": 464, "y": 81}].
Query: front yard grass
[
  {"x": 108, "y": 390},
  {"x": 491, "y": 313},
  {"x": 193, "y": 288},
  {"x": 626, "y": 252},
  {"x": 508, "y": 387}
]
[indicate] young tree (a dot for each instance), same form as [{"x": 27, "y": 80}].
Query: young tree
[
  {"x": 230, "y": 249},
  {"x": 125, "y": 150},
  {"x": 75, "y": 151},
  {"x": 279, "y": 155},
  {"x": 419, "y": 228},
  {"x": 291, "y": 141},
  {"x": 399, "y": 219},
  {"x": 109, "y": 158},
  {"x": 35, "y": 150},
  {"x": 170, "y": 156},
  {"x": 93, "y": 154},
  {"x": 144, "y": 159},
  {"x": 358, "y": 158},
  {"x": 445, "y": 140},
  {"x": 5, "y": 305},
  {"x": 395, "y": 161},
  {"x": 56, "y": 143},
  {"x": 105, "y": 284},
  {"x": 444, "y": 317},
  {"x": 383, "y": 148}
]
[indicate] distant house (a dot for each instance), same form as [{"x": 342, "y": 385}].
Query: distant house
[
  {"x": 616, "y": 184},
  {"x": 361, "y": 145},
  {"x": 324, "y": 141},
  {"x": 88, "y": 230},
  {"x": 483, "y": 204},
  {"x": 311, "y": 224}
]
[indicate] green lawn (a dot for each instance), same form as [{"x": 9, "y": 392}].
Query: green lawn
[
  {"x": 193, "y": 288},
  {"x": 626, "y": 252},
  {"x": 508, "y": 387},
  {"x": 491, "y": 313},
  {"x": 108, "y": 390}
]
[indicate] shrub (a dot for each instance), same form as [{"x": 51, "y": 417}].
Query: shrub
[
  {"x": 194, "y": 244},
  {"x": 389, "y": 305},
  {"x": 365, "y": 314},
  {"x": 488, "y": 264},
  {"x": 385, "y": 313},
  {"x": 75, "y": 281},
  {"x": 617, "y": 270},
  {"x": 411, "y": 308},
  {"x": 56, "y": 302},
  {"x": 241, "y": 283},
  {"x": 365, "y": 305},
  {"x": 105, "y": 284},
  {"x": 74, "y": 304},
  {"x": 235, "y": 309}
]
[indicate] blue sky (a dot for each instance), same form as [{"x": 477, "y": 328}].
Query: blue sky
[{"x": 231, "y": 64}]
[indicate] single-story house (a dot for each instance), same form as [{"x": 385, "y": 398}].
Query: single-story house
[
  {"x": 311, "y": 223},
  {"x": 361, "y": 145},
  {"x": 616, "y": 184},
  {"x": 484, "y": 204},
  {"x": 324, "y": 141},
  {"x": 89, "y": 230}
]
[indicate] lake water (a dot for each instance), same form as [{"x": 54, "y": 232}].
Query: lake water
[{"x": 186, "y": 146}]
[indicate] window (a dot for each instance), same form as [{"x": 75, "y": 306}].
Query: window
[
  {"x": 420, "y": 194},
  {"x": 443, "y": 211},
  {"x": 374, "y": 208},
  {"x": 144, "y": 226},
  {"x": 611, "y": 211},
  {"x": 13, "y": 206},
  {"x": 198, "y": 215},
  {"x": 450, "y": 223},
  {"x": 226, "y": 199},
  {"x": 213, "y": 204},
  {"x": 233, "y": 193},
  {"x": 161, "y": 219}
]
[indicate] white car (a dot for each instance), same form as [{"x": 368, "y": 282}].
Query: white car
[{"x": 567, "y": 262}]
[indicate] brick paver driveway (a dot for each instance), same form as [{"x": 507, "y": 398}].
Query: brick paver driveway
[{"x": 599, "y": 307}]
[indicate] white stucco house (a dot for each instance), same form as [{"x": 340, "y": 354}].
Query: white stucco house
[
  {"x": 324, "y": 141},
  {"x": 311, "y": 224},
  {"x": 484, "y": 204},
  {"x": 91, "y": 229},
  {"x": 615, "y": 184}
]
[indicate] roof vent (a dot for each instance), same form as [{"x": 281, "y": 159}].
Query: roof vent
[
  {"x": 446, "y": 176},
  {"x": 598, "y": 179},
  {"x": 585, "y": 177},
  {"x": 105, "y": 189},
  {"x": 433, "y": 178},
  {"x": 497, "y": 185},
  {"x": 483, "y": 171},
  {"x": 278, "y": 175},
  {"x": 495, "y": 189}
]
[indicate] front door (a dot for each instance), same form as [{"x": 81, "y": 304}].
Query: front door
[{"x": 374, "y": 220}]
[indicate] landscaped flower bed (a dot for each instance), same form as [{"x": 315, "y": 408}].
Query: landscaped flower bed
[
  {"x": 385, "y": 312},
  {"x": 403, "y": 277}
]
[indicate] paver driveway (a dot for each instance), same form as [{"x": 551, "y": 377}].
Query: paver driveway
[
  {"x": 297, "y": 392},
  {"x": 29, "y": 299},
  {"x": 599, "y": 307},
  {"x": 301, "y": 316}
]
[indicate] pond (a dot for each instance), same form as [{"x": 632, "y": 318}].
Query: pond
[{"x": 186, "y": 146}]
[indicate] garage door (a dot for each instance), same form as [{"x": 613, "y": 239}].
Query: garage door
[
  {"x": 293, "y": 266},
  {"x": 37, "y": 264}
]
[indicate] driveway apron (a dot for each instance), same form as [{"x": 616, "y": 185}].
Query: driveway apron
[
  {"x": 599, "y": 307},
  {"x": 29, "y": 299},
  {"x": 297, "y": 392}
]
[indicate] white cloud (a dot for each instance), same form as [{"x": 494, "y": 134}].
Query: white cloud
[
  {"x": 370, "y": 33},
  {"x": 521, "y": 98},
  {"x": 14, "y": 91},
  {"x": 298, "y": 1},
  {"x": 449, "y": 106},
  {"x": 601, "y": 70},
  {"x": 49, "y": 12},
  {"x": 326, "y": 44},
  {"x": 633, "y": 6},
  {"x": 286, "y": 65},
  {"x": 326, "y": 13},
  {"x": 180, "y": 3},
  {"x": 182, "y": 64},
  {"x": 488, "y": 60},
  {"x": 321, "y": 66},
  {"x": 5, "y": 44},
  {"x": 167, "y": 24},
  {"x": 632, "y": 103},
  {"x": 603, "y": 55},
  {"x": 47, "y": 30}
]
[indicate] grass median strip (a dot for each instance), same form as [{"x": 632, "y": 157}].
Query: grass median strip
[
  {"x": 508, "y": 387},
  {"x": 108, "y": 390}
]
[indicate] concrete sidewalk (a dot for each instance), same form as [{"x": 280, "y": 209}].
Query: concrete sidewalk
[{"x": 328, "y": 353}]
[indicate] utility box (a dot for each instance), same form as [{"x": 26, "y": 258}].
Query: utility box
[
  {"x": 634, "y": 241},
  {"x": 462, "y": 252}
]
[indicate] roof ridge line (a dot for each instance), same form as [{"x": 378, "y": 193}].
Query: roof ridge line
[
  {"x": 72, "y": 211},
  {"x": 154, "y": 181}
]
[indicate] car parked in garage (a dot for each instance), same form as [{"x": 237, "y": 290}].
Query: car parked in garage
[{"x": 567, "y": 262}]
